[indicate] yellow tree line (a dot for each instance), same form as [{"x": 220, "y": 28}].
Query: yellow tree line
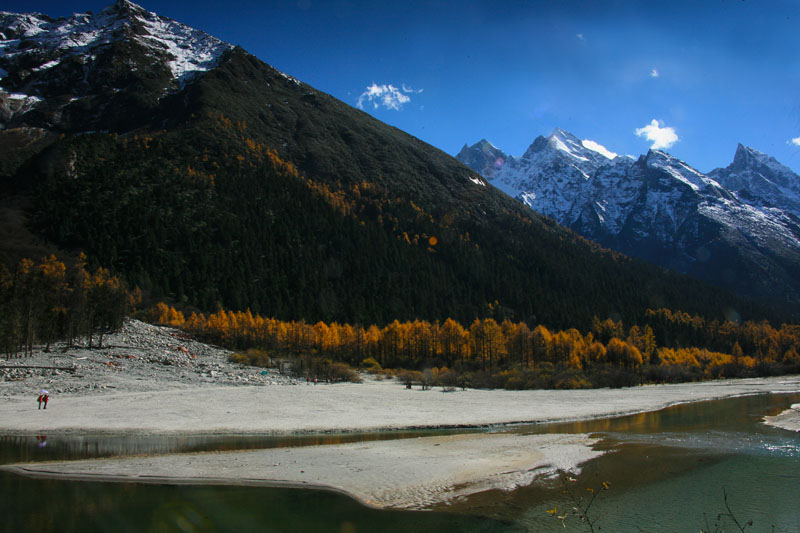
[{"x": 485, "y": 344}]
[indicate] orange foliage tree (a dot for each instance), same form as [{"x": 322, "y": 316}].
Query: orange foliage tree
[{"x": 507, "y": 349}]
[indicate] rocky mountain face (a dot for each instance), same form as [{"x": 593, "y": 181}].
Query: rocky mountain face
[
  {"x": 736, "y": 227},
  {"x": 207, "y": 177},
  {"x": 104, "y": 71},
  {"x": 759, "y": 180}
]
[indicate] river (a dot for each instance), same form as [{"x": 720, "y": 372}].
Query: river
[{"x": 666, "y": 471}]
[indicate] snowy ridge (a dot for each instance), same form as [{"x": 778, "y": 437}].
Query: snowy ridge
[
  {"x": 679, "y": 170},
  {"x": 740, "y": 224},
  {"x": 40, "y": 39},
  {"x": 562, "y": 178},
  {"x": 549, "y": 177},
  {"x": 757, "y": 178}
]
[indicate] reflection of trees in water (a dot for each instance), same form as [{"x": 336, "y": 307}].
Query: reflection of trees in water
[{"x": 28, "y": 448}]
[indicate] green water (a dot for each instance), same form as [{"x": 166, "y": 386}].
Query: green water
[
  {"x": 667, "y": 471},
  {"x": 46, "y": 505}
]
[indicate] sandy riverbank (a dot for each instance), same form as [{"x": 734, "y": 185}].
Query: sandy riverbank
[
  {"x": 155, "y": 387},
  {"x": 407, "y": 473},
  {"x": 789, "y": 419},
  {"x": 369, "y": 406}
]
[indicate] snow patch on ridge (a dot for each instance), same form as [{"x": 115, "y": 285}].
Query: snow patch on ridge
[
  {"x": 24, "y": 98},
  {"x": 559, "y": 145},
  {"x": 679, "y": 170},
  {"x": 188, "y": 51},
  {"x": 290, "y": 78},
  {"x": 192, "y": 51}
]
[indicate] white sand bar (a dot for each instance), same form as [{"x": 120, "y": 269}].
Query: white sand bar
[
  {"x": 404, "y": 473},
  {"x": 789, "y": 419},
  {"x": 407, "y": 473},
  {"x": 369, "y": 406}
]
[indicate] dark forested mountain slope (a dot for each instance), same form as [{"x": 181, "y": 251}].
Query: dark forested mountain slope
[{"x": 237, "y": 185}]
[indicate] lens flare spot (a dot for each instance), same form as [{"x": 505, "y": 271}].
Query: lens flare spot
[{"x": 732, "y": 315}]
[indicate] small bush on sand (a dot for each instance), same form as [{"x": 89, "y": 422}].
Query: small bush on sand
[
  {"x": 410, "y": 377},
  {"x": 239, "y": 359},
  {"x": 343, "y": 372},
  {"x": 252, "y": 357},
  {"x": 371, "y": 366}
]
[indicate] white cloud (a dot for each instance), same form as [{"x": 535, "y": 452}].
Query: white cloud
[
  {"x": 387, "y": 96},
  {"x": 599, "y": 148},
  {"x": 407, "y": 89},
  {"x": 795, "y": 141},
  {"x": 661, "y": 137},
  {"x": 654, "y": 73},
  {"x": 580, "y": 36}
]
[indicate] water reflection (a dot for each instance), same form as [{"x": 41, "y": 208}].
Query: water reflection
[
  {"x": 31, "y": 448},
  {"x": 732, "y": 414},
  {"x": 53, "y": 505}
]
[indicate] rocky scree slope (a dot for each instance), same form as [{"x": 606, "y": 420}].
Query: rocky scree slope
[{"x": 140, "y": 357}]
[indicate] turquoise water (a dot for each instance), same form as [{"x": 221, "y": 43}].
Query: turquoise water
[{"x": 667, "y": 472}]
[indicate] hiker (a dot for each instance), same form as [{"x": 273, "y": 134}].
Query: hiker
[
  {"x": 44, "y": 399},
  {"x": 40, "y": 400}
]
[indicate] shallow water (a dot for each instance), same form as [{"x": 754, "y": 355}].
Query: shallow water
[{"x": 667, "y": 470}]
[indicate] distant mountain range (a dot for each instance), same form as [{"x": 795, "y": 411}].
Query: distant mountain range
[
  {"x": 736, "y": 227},
  {"x": 207, "y": 177}
]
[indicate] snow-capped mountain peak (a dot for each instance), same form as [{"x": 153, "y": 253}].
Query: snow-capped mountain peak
[
  {"x": 128, "y": 8},
  {"x": 565, "y": 141},
  {"x": 746, "y": 156},
  {"x": 97, "y": 71},
  {"x": 484, "y": 157},
  {"x": 43, "y": 43},
  {"x": 547, "y": 176},
  {"x": 562, "y": 143},
  {"x": 759, "y": 179},
  {"x": 751, "y": 160},
  {"x": 736, "y": 226}
]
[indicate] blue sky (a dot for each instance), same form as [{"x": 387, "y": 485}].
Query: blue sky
[{"x": 694, "y": 78}]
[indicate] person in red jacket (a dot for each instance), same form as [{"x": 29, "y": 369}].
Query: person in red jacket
[{"x": 44, "y": 399}]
